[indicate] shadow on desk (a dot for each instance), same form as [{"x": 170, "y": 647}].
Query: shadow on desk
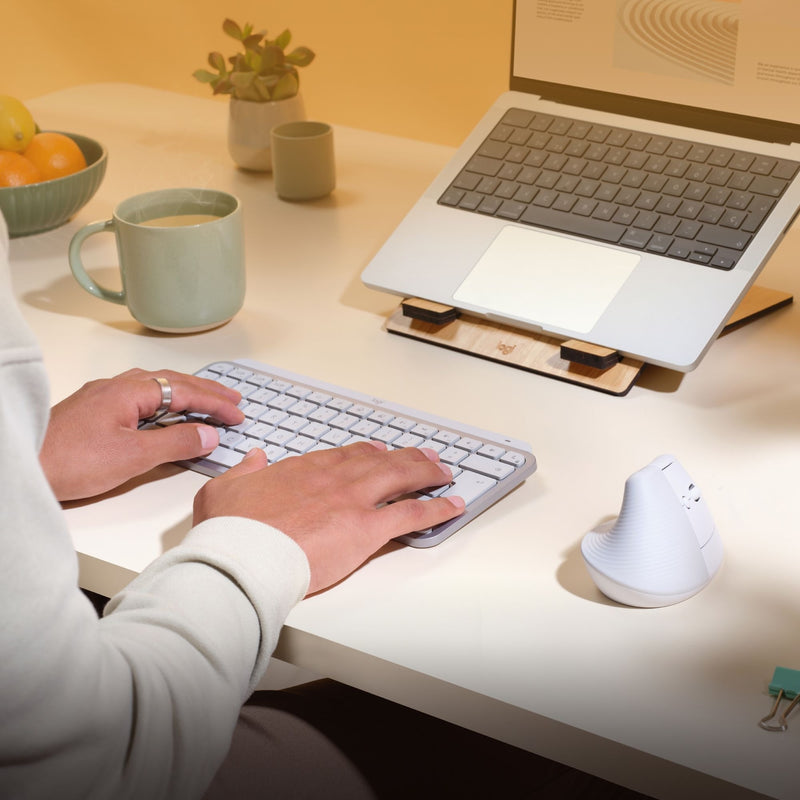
[
  {"x": 65, "y": 297},
  {"x": 157, "y": 474},
  {"x": 574, "y": 578}
]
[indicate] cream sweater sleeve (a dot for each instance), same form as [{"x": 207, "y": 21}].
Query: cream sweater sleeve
[{"x": 142, "y": 703}]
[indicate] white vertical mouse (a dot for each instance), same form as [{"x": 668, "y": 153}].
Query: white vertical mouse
[{"x": 663, "y": 547}]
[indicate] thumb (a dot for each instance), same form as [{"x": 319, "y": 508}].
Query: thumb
[
  {"x": 253, "y": 461},
  {"x": 177, "y": 442}
]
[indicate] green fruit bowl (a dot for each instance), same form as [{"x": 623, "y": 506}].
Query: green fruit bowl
[{"x": 40, "y": 207}]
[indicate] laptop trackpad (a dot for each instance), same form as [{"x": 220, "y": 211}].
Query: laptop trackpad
[{"x": 546, "y": 279}]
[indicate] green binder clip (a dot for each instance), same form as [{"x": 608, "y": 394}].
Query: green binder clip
[{"x": 785, "y": 683}]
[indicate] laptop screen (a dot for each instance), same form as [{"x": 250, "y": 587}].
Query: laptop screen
[{"x": 729, "y": 57}]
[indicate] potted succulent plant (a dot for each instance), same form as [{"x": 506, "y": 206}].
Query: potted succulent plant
[{"x": 264, "y": 88}]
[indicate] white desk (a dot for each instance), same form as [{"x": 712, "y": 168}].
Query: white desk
[{"x": 500, "y": 628}]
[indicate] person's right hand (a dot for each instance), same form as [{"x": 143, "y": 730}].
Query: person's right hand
[{"x": 333, "y": 503}]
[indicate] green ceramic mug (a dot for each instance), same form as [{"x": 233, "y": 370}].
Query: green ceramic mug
[{"x": 181, "y": 258}]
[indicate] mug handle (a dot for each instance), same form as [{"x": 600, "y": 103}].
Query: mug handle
[{"x": 78, "y": 270}]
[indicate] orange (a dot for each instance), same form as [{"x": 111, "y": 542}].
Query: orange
[
  {"x": 55, "y": 155},
  {"x": 16, "y": 170}
]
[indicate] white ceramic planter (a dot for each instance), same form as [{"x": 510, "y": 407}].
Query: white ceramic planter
[{"x": 249, "y": 126}]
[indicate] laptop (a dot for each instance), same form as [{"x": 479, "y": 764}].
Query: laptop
[{"x": 631, "y": 184}]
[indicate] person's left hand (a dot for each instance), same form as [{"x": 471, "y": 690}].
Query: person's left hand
[{"x": 92, "y": 443}]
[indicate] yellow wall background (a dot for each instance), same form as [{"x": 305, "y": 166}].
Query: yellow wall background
[{"x": 423, "y": 69}]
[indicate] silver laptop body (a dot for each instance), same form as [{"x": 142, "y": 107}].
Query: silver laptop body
[{"x": 665, "y": 308}]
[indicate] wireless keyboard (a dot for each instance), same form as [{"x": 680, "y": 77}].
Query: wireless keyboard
[{"x": 288, "y": 414}]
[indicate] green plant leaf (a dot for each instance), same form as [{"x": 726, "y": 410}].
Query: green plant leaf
[
  {"x": 271, "y": 58},
  {"x": 251, "y": 42},
  {"x": 242, "y": 80},
  {"x": 238, "y": 63},
  {"x": 204, "y": 76},
  {"x": 217, "y": 61},
  {"x": 263, "y": 90},
  {"x": 283, "y": 40},
  {"x": 253, "y": 60},
  {"x": 232, "y": 29},
  {"x": 300, "y": 56},
  {"x": 222, "y": 86},
  {"x": 286, "y": 87}
]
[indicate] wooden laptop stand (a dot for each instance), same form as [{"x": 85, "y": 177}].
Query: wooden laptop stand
[{"x": 573, "y": 361}]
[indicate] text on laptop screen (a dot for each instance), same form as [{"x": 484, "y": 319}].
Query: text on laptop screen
[{"x": 732, "y": 56}]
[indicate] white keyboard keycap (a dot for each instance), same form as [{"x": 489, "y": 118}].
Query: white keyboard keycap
[
  {"x": 248, "y": 444},
  {"x": 293, "y": 423},
  {"x": 260, "y": 430},
  {"x": 339, "y": 403},
  {"x": 364, "y": 428},
  {"x": 273, "y": 417},
  {"x": 408, "y": 440},
  {"x": 323, "y": 415},
  {"x": 470, "y": 486},
  {"x": 491, "y": 451},
  {"x": 240, "y": 374},
  {"x": 487, "y": 466},
  {"x": 301, "y": 444},
  {"x": 386, "y": 434},
  {"x": 274, "y": 453},
  {"x": 224, "y": 457},
  {"x": 452, "y": 455},
  {"x": 314, "y": 430},
  {"x": 515, "y": 459},
  {"x": 230, "y": 439},
  {"x": 383, "y": 417},
  {"x": 262, "y": 396},
  {"x": 343, "y": 421},
  {"x": 280, "y": 437},
  {"x": 303, "y": 408},
  {"x": 336, "y": 437}
]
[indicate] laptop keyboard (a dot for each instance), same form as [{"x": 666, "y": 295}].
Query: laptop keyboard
[
  {"x": 673, "y": 197},
  {"x": 287, "y": 415}
]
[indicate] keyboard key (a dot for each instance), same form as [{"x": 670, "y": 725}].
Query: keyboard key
[
  {"x": 487, "y": 466},
  {"x": 452, "y": 455},
  {"x": 336, "y": 437},
  {"x": 772, "y": 187},
  {"x": 558, "y": 220},
  {"x": 301, "y": 444},
  {"x": 470, "y": 486},
  {"x": 224, "y": 457},
  {"x": 724, "y": 237}
]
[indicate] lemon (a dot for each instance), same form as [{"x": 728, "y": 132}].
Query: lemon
[{"x": 17, "y": 126}]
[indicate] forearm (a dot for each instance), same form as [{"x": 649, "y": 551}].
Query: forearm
[{"x": 142, "y": 703}]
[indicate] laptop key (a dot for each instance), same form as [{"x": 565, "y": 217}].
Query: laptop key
[
  {"x": 585, "y": 226},
  {"x": 724, "y": 237},
  {"x": 771, "y": 187},
  {"x": 511, "y": 209}
]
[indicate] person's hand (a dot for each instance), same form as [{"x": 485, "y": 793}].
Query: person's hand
[
  {"x": 332, "y": 502},
  {"x": 92, "y": 443}
]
